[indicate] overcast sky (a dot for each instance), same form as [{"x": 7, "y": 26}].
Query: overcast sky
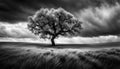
[
  {"x": 99, "y": 17},
  {"x": 18, "y": 10}
]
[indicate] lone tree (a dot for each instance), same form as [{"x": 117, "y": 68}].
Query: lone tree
[{"x": 52, "y": 23}]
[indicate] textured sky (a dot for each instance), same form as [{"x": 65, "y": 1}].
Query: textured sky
[
  {"x": 99, "y": 17},
  {"x": 19, "y": 10}
]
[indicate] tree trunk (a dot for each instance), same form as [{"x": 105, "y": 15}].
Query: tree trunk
[{"x": 53, "y": 42}]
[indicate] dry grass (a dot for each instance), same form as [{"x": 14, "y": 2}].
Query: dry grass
[{"x": 12, "y": 57}]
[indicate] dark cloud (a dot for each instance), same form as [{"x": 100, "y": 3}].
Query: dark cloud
[
  {"x": 96, "y": 21},
  {"x": 104, "y": 20},
  {"x": 19, "y": 10}
]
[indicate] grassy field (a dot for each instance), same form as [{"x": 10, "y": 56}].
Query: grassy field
[{"x": 36, "y": 56}]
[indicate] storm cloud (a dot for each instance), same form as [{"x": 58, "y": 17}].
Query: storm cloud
[
  {"x": 99, "y": 17},
  {"x": 18, "y": 10},
  {"x": 104, "y": 20}
]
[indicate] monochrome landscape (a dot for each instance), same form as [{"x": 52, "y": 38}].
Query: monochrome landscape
[{"x": 59, "y": 34}]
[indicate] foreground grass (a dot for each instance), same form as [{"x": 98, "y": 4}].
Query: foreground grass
[{"x": 34, "y": 58}]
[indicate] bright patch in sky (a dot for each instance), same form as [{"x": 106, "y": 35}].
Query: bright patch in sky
[{"x": 97, "y": 20}]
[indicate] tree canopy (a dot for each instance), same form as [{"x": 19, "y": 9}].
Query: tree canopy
[{"x": 52, "y": 23}]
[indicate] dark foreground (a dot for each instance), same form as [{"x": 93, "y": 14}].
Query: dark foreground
[{"x": 13, "y": 56}]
